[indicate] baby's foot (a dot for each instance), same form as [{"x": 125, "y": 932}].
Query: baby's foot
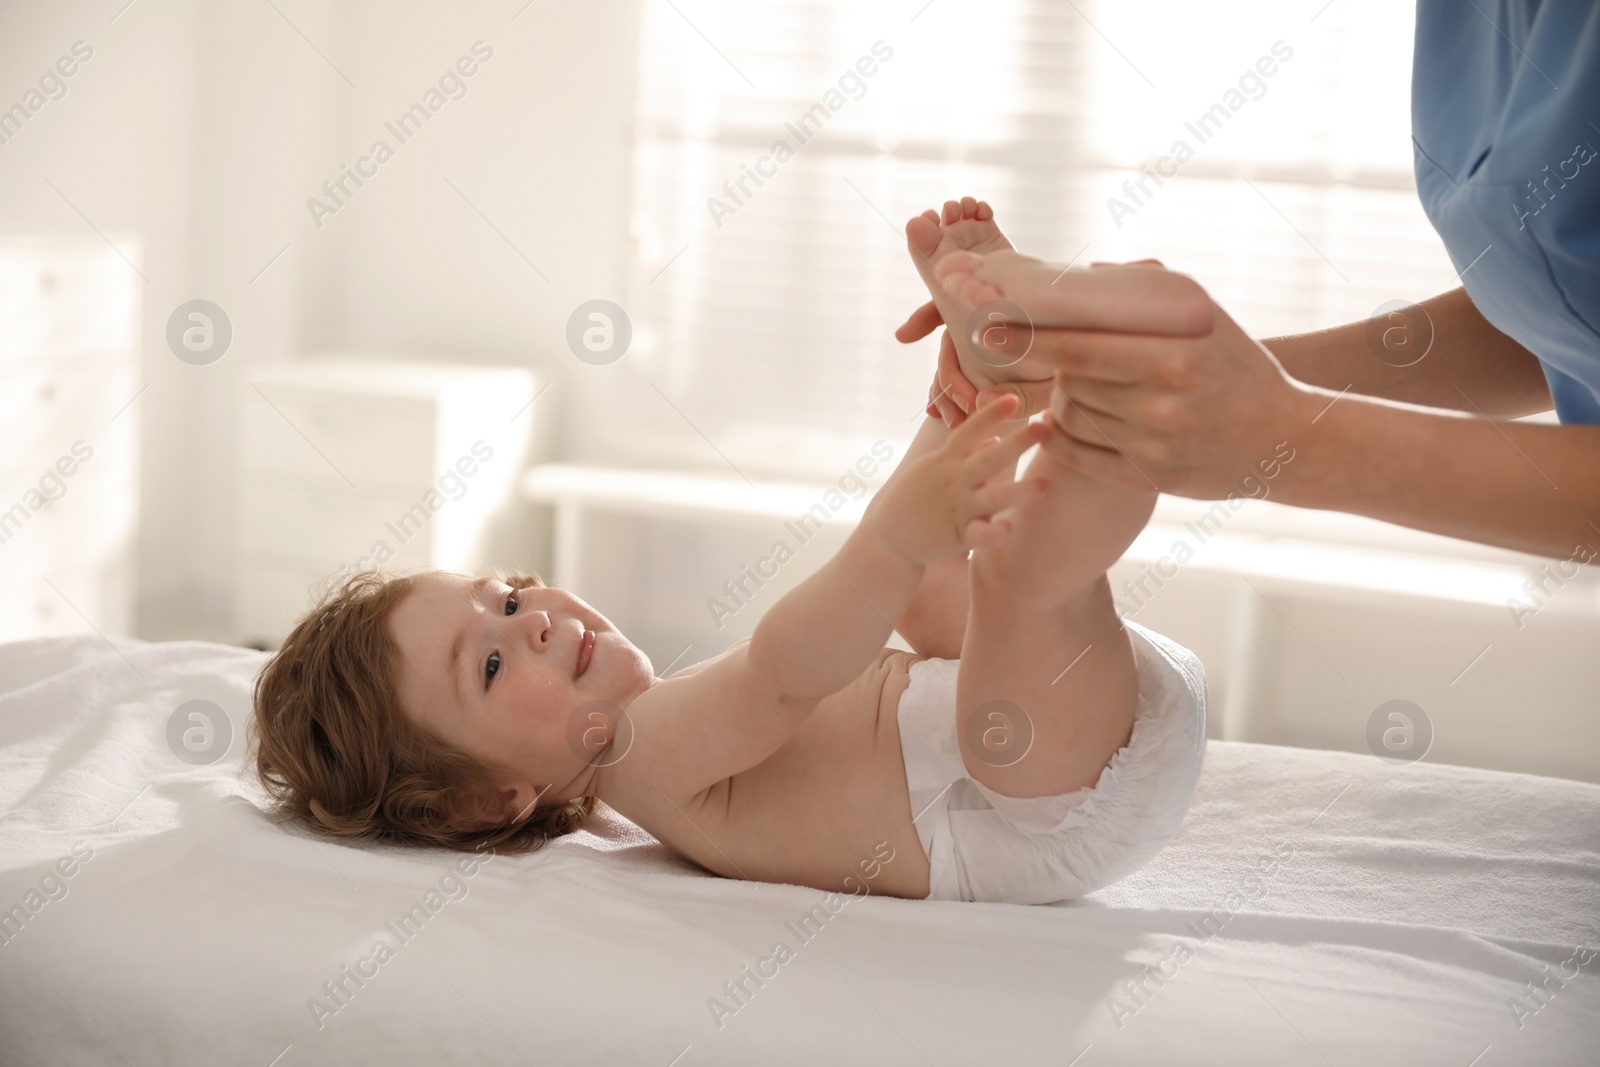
[
  {"x": 1140, "y": 297},
  {"x": 967, "y": 227}
]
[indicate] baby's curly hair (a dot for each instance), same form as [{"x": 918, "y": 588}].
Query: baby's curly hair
[{"x": 334, "y": 748}]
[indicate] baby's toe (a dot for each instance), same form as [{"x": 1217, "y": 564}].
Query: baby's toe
[
  {"x": 923, "y": 234},
  {"x": 952, "y": 212},
  {"x": 969, "y": 207}
]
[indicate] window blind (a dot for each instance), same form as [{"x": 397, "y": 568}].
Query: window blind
[{"x": 763, "y": 311}]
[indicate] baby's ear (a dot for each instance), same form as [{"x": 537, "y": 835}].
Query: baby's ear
[{"x": 481, "y": 812}]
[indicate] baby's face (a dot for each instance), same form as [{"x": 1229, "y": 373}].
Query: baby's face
[{"x": 499, "y": 674}]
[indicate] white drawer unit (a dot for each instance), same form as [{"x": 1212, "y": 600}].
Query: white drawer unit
[
  {"x": 67, "y": 297},
  {"x": 69, "y": 324},
  {"x": 351, "y": 461}
]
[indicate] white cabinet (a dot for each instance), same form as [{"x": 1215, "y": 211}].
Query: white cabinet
[
  {"x": 349, "y": 462},
  {"x": 69, "y": 465}
]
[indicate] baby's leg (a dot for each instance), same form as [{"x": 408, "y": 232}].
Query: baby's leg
[{"x": 1044, "y": 651}]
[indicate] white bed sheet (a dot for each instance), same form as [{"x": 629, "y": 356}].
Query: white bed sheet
[{"x": 1408, "y": 910}]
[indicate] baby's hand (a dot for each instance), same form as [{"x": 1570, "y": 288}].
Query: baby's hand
[{"x": 945, "y": 502}]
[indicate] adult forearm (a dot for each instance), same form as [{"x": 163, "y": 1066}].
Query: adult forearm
[
  {"x": 1460, "y": 360},
  {"x": 1530, "y": 487},
  {"x": 823, "y": 633}
]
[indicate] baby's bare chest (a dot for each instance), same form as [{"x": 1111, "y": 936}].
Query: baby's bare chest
[{"x": 829, "y": 809}]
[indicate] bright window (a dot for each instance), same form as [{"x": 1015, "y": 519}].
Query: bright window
[{"x": 763, "y": 331}]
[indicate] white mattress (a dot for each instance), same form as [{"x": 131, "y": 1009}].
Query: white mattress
[{"x": 1409, "y": 909}]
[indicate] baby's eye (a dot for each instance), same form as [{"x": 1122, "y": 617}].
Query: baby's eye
[
  {"x": 511, "y": 604},
  {"x": 491, "y": 668}
]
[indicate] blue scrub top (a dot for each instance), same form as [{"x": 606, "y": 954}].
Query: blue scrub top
[{"x": 1505, "y": 124}]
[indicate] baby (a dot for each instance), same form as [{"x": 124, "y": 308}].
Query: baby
[{"x": 1033, "y": 749}]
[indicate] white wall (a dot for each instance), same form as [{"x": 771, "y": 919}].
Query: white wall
[
  {"x": 119, "y": 146},
  {"x": 204, "y": 127}
]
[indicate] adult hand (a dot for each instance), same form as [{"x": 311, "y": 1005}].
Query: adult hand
[
  {"x": 1187, "y": 415},
  {"x": 1193, "y": 416},
  {"x": 952, "y": 397}
]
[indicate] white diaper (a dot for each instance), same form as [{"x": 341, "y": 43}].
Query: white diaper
[{"x": 984, "y": 846}]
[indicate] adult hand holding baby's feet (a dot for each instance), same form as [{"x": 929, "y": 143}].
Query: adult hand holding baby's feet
[
  {"x": 1154, "y": 385},
  {"x": 1141, "y": 297},
  {"x": 1186, "y": 415},
  {"x": 978, "y": 282},
  {"x": 950, "y": 499}
]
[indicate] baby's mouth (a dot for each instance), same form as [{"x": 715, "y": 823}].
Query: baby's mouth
[{"x": 585, "y": 652}]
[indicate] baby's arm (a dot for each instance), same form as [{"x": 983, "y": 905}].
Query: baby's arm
[
  {"x": 825, "y": 632},
  {"x": 702, "y": 726}
]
